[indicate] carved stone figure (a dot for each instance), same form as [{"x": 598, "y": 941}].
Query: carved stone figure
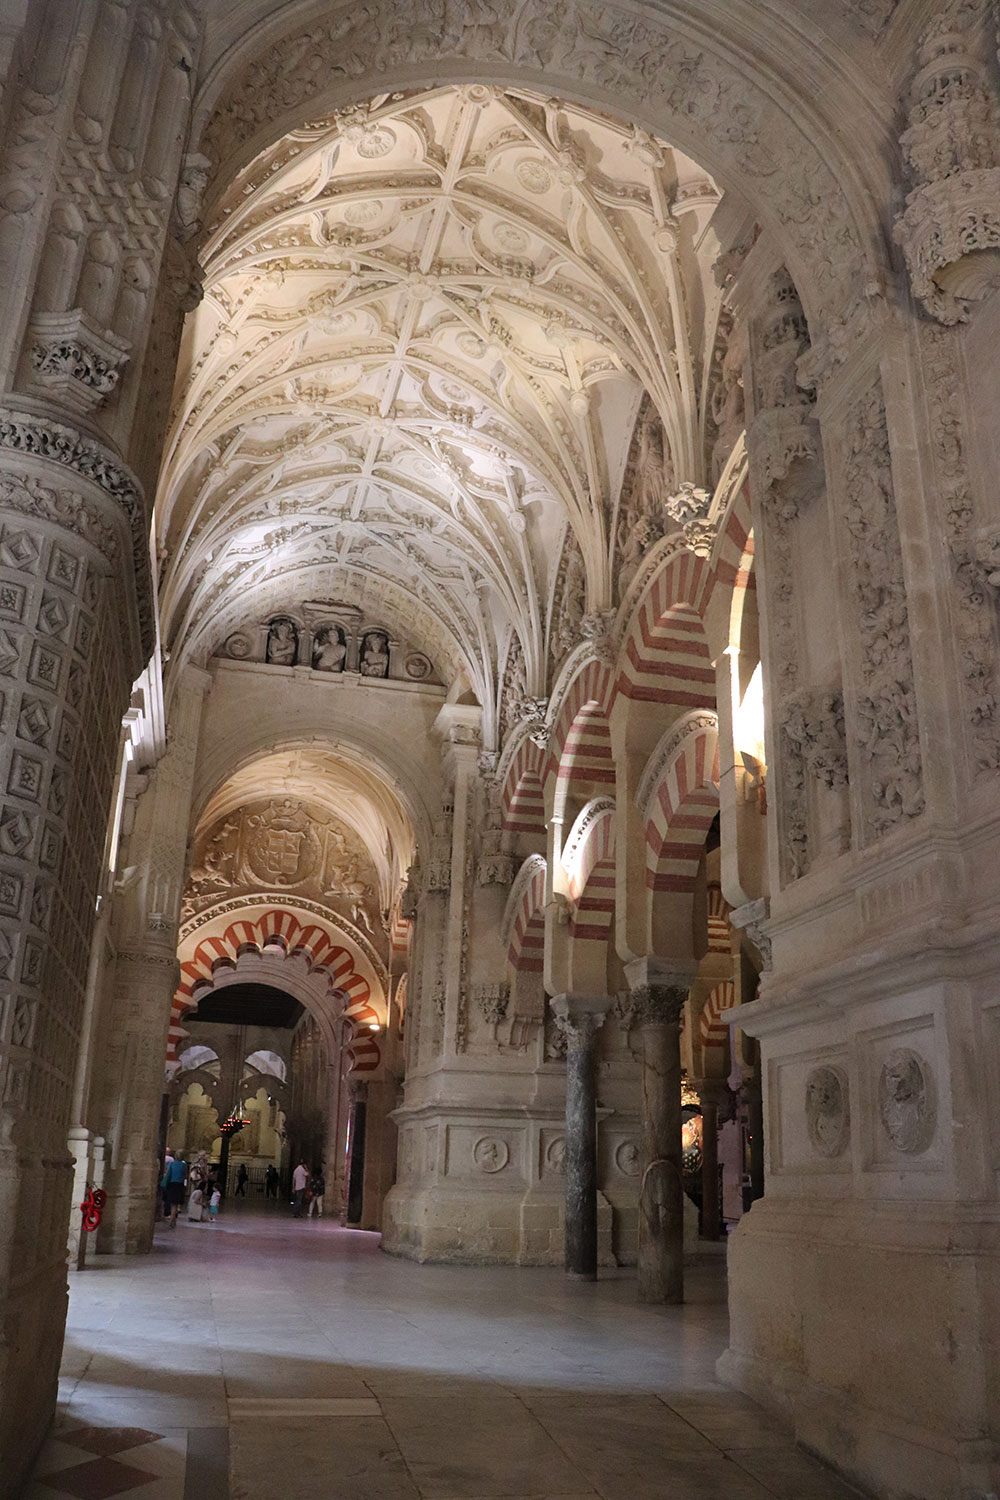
[
  {"x": 374, "y": 660},
  {"x": 282, "y": 643},
  {"x": 828, "y": 1116},
  {"x": 329, "y": 650},
  {"x": 906, "y": 1100}
]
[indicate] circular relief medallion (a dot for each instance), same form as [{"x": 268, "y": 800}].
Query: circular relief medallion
[
  {"x": 365, "y": 212},
  {"x": 555, "y": 1155},
  {"x": 906, "y": 1100},
  {"x": 627, "y": 1158},
  {"x": 417, "y": 667},
  {"x": 510, "y": 238},
  {"x": 470, "y": 344},
  {"x": 491, "y": 1153},
  {"x": 239, "y": 647},
  {"x": 534, "y": 175},
  {"x": 377, "y": 141},
  {"x": 828, "y": 1115}
]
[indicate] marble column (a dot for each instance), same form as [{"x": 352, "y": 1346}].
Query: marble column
[
  {"x": 581, "y": 1018},
  {"x": 657, "y": 998}
]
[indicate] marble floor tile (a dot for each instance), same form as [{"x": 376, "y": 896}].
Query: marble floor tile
[{"x": 280, "y": 1363}]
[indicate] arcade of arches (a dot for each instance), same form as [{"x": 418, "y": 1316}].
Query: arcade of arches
[{"x": 499, "y": 556}]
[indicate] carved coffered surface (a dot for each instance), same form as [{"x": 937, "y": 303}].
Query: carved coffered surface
[
  {"x": 428, "y": 325},
  {"x": 286, "y": 843}
]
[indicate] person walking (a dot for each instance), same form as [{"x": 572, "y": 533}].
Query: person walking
[
  {"x": 317, "y": 1186},
  {"x": 164, "y": 1205},
  {"x": 242, "y": 1177},
  {"x": 174, "y": 1179},
  {"x": 271, "y": 1180},
  {"x": 300, "y": 1181}
]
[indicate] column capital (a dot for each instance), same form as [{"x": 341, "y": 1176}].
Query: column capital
[
  {"x": 656, "y": 1004},
  {"x": 580, "y": 1016}
]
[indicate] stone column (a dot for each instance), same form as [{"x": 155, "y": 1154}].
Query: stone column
[
  {"x": 581, "y": 1018},
  {"x": 657, "y": 998}
]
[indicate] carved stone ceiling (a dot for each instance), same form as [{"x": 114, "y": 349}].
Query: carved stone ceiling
[{"x": 427, "y": 328}]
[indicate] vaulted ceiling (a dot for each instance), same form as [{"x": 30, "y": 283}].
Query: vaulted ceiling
[{"x": 427, "y": 329}]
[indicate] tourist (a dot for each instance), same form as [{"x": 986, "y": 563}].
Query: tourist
[
  {"x": 196, "y": 1205},
  {"x": 214, "y": 1202},
  {"x": 271, "y": 1181},
  {"x": 242, "y": 1178},
  {"x": 174, "y": 1179},
  {"x": 300, "y": 1181},
  {"x": 163, "y": 1179},
  {"x": 317, "y": 1187}
]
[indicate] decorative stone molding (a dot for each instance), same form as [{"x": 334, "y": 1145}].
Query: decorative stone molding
[
  {"x": 827, "y": 1111},
  {"x": 596, "y": 808},
  {"x": 888, "y": 732},
  {"x": 814, "y": 723},
  {"x": 35, "y": 437},
  {"x": 906, "y": 1101},
  {"x": 491, "y": 1154},
  {"x": 493, "y": 1000},
  {"x": 73, "y": 361},
  {"x": 752, "y": 919},
  {"x": 598, "y": 630},
  {"x": 950, "y": 228}
]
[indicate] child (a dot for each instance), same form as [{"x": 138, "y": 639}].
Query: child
[
  {"x": 213, "y": 1207},
  {"x": 194, "y": 1206}
]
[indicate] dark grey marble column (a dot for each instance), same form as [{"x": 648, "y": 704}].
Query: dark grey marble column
[
  {"x": 581, "y": 1018},
  {"x": 657, "y": 1001}
]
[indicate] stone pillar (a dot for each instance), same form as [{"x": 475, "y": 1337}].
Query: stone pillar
[
  {"x": 128, "y": 1072},
  {"x": 581, "y": 1018},
  {"x": 657, "y": 998}
]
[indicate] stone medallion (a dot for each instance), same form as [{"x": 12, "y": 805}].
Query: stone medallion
[
  {"x": 906, "y": 1100},
  {"x": 828, "y": 1114},
  {"x": 627, "y": 1158},
  {"x": 555, "y": 1155},
  {"x": 491, "y": 1153}
]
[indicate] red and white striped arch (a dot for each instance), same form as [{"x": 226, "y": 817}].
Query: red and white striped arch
[
  {"x": 679, "y": 809},
  {"x": 523, "y": 797},
  {"x": 713, "y": 1030},
  {"x": 524, "y": 919},
  {"x": 592, "y": 876},
  {"x": 580, "y": 742},
  {"x": 275, "y": 932},
  {"x": 719, "y": 940},
  {"x": 735, "y": 543},
  {"x": 665, "y": 656}
]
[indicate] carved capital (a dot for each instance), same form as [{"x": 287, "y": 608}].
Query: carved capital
[
  {"x": 580, "y": 1017},
  {"x": 74, "y": 361},
  {"x": 657, "y": 1004}
]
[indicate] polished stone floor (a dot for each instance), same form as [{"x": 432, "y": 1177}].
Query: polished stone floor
[{"x": 265, "y": 1358}]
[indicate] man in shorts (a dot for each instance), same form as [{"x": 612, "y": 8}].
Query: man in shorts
[{"x": 174, "y": 1179}]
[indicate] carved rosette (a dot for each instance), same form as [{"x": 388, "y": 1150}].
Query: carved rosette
[{"x": 950, "y": 228}]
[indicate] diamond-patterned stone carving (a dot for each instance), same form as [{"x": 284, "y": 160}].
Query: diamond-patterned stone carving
[
  {"x": 6, "y": 955},
  {"x": 31, "y": 966},
  {"x": 45, "y": 667},
  {"x": 67, "y": 738},
  {"x": 20, "y": 550},
  {"x": 16, "y": 831},
  {"x": 53, "y": 617},
  {"x": 41, "y": 905},
  {"x": 25, "y": 779},
  {"x": 11, "y": 893},
  {"x": 57, "y": 792},
  {"x": 12, "y": 600},
  {"x": 9, "y": 653},
  {"x": 48, "y": 855},
  {"x": 75, "y": 683},
  {"x": 23, "y": 1022},
  {"x": 84, "y": 634},
  {"x": 34, "y": 722},
  {"x": 64, "y": 568}
]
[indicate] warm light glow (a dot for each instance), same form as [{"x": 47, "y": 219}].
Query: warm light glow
[
  {"x": 748, "y": 719},
  {"x": 373, "y": 1026}
]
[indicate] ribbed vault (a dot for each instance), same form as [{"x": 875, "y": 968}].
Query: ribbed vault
[{"x": 428, "y": 326}]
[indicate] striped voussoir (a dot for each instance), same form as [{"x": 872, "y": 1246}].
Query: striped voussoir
[
  {"x": 665, "y": 656},
  {"x": 526, "y": 949},
  {"x": 681, "y": 810},
  {"x": 714, "y": 1031}
]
